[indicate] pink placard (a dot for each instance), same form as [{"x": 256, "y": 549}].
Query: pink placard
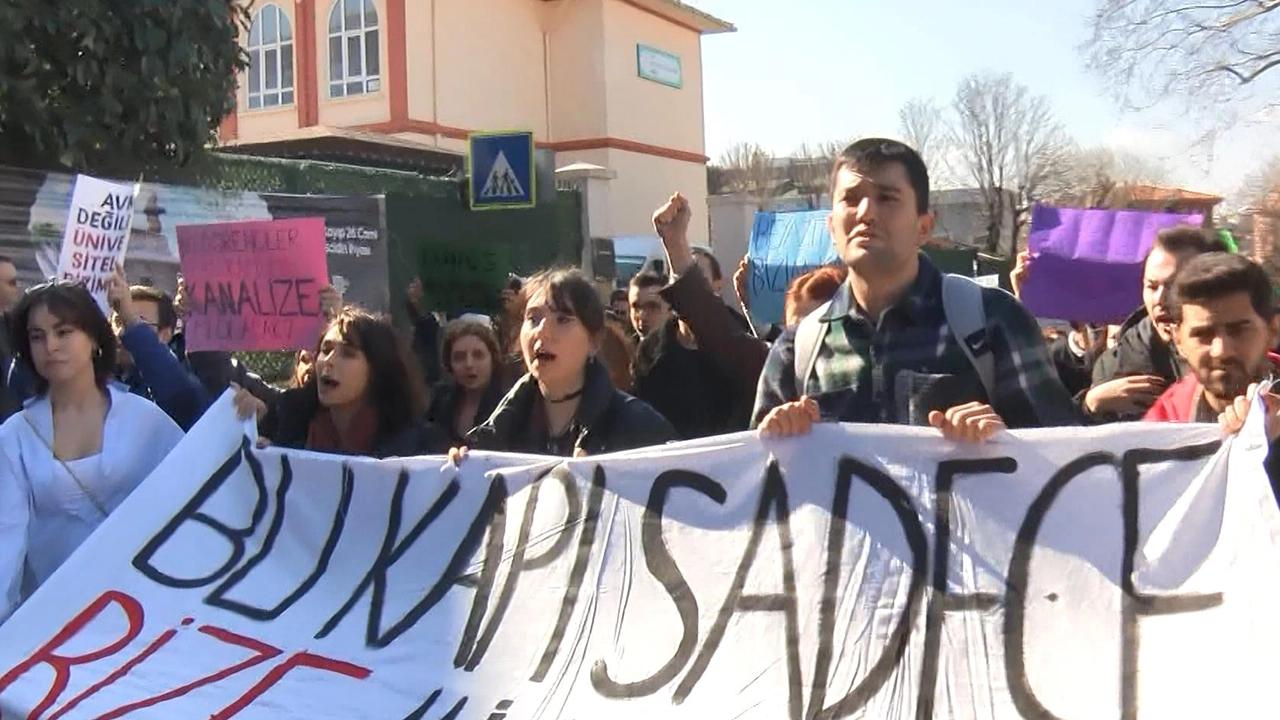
[{"x": 254, "y": 285}]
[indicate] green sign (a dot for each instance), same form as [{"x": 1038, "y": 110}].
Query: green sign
[
  {"x": 659, "y": 66},
  {"x": 459, "y": 277}
]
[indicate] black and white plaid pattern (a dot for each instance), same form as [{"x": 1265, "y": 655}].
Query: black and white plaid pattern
[{"x": 859, "y": 360}]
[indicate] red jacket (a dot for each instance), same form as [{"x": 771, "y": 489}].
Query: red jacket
[{"x": 1178, "y": 402}]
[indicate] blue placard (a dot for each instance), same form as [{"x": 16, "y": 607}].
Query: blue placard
[
  {"x": 783, "y": 246},
  {"x": 502, "y": 170}
]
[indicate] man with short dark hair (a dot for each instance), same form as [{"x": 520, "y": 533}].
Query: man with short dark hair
[
  {"x": 723, "y": 335},
  {"x": 710, "y": 268},
  {"x": 649, "y": 310},
  {"x": 884, "y": 350},
  {"x": 1224, "y": 324},
  {"x": 670, "y": 371},
  {"x": 1128, "y": 377},
  {"x": 145, "y": 322},
  {"x": 153, "y": 307},
  {"x": 619, "y": 303}
]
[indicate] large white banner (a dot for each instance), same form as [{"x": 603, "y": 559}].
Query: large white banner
[{"x": 874, "y": 572}]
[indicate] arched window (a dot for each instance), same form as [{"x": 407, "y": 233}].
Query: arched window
[
  {"x": 270, "y": 59},
  {"x": 353, "y": 48}
]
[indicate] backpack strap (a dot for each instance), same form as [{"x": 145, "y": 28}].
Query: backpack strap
[
  {"x": 967, "y": 318},
  {"x": 808, "y": 338}
]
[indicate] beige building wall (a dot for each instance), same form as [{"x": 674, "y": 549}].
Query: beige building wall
[
  {"x": 359, "y": 109},
  {"x": 420, "y": 53},
  {"x": 267, "y": 122},
  {"x": 577, "y": 63},
  {"x": 643, "y": 110},
  {"x": 491, "y": 65},
  {"x": 644, "y": 182},
  {"x": 732, "y": 218}
]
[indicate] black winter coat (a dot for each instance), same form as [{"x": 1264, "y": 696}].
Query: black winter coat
[
  {"x": 445, "y": 397},
  {"x": 1139, "y": 351},
  {"x": 287, "y": 423},
  {"x": 1074, "y": 371},
  {"x": 684, "y": 385},
  {"x": 608, "y": 420}
]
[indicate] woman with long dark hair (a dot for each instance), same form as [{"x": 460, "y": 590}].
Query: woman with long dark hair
[
  {"x": 363, "y": 396},
  {"x": 566, "y": 405},
  {"x": 78, "y": 447}
]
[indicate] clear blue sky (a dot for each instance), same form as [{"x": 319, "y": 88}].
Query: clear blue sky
[{"x": 817, "y": 70}]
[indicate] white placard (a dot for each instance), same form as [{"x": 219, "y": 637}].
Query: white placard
[{"x": 97, "y": 234}]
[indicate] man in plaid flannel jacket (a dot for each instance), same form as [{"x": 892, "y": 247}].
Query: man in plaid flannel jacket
[{"x": 886, "y": 353}]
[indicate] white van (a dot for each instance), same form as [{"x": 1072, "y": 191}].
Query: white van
[{"x": 633, "y": 252}]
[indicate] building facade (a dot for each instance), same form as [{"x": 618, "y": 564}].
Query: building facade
[{"x": 615, "y": 84}]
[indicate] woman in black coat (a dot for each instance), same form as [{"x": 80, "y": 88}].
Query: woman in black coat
[
  {"x": 364, "y": 396},
  {"x": 566, "y": 405},
  {"x": 469, "y": 355}
]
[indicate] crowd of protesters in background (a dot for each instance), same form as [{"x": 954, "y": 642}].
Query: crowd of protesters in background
[{"x": 568, "y": 368}]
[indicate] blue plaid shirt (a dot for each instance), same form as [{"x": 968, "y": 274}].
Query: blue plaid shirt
[{"x": 898, "y": 368}]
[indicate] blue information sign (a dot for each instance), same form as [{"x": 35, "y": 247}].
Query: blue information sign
[{"x": 502, "y": 170}]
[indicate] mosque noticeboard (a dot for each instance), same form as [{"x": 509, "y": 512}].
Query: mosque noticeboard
[
  {"x": 659, "y": 66},
  {"x": 501, "y": 169}
]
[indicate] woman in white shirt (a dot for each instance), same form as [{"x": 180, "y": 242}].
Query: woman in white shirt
[{"x": 78, "y": 448}]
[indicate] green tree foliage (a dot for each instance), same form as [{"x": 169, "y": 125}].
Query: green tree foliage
[{"x": 115, "y": 86}]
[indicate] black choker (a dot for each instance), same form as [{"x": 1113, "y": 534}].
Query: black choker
[{"x": 571, "y": 396}]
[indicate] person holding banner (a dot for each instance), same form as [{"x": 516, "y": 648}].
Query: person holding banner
[
  {"x": 1144, "y": 361},
  {"x": 566, "y": 404},
  {"x": 364, "y": 395},
  {"x": 1225, "y": 326},
  {"x": 78, "y": 448},
  {"x": 886, "y": 349}
]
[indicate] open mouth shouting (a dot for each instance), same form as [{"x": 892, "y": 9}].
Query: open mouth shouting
[{"x": 542, "y": 356}]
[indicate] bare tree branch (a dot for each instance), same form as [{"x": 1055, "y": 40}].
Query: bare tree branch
[
  {"x": 748, "y": 168},
  {"x": 1012, "y": 147},
  {"x": 923, "y": 127},
  {"x": 1261, "y": 183},
  {"x": 1245, "y": 79},
  {"x": 1098, "y": 177},
  {"x": 1205, "y": 53}
]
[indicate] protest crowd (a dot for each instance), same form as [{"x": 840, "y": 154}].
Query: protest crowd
[{"x": 93, "y": 404}]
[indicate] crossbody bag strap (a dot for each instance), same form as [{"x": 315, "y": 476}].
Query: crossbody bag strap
[{"x": 97, "y": 504}]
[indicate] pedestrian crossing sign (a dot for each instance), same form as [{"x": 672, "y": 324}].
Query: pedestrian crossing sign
[{"x": 501, "y": 170}]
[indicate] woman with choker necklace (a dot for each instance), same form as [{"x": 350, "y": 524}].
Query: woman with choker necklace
[
  {"x": 566, "y": 405},
  {"x": 364, "y": 395}
]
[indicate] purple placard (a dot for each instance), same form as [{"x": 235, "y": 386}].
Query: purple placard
[{"x": 1088, "y": 263}]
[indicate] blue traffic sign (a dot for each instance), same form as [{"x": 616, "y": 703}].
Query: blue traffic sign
[{"x": 502, "y": 170}]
